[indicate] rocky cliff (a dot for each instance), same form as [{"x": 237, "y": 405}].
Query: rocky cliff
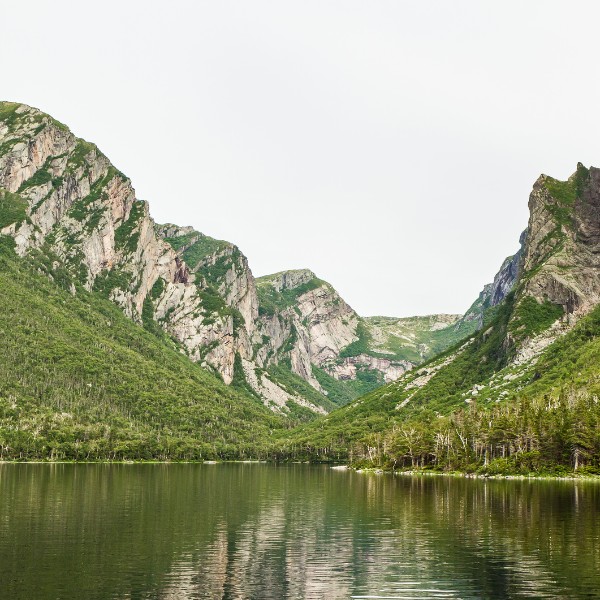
[
  {"x": 562, "y": 256},
  {"x": 494, "y": 293}
]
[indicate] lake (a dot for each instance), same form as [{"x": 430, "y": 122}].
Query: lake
[{"x": 260, "y": 531}]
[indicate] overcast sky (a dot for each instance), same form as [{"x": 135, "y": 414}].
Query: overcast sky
[{"x": 388, "y": 146}]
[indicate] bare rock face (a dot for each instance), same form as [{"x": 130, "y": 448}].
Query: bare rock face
[
  {"x": 391, "y": 369},
  {"x": 329, "y": 321},
  {"x": 80, "y": 208},
  {"x": 307, "y": 322},
  {"x": 508, "y": 274},
  {"x": 494, "y": 293},
  {"x": 562, "y": 253},
  {"x": 225, "y": 284},
  {"x": 289, "y": 280}
]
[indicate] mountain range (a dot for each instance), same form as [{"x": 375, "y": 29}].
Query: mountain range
[{"x": 124, "y": 338}]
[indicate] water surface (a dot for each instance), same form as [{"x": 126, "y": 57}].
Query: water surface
[{"x": 297, "y": 531}]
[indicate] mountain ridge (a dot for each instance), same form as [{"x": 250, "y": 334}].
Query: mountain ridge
[{"x": 288, "y": 343}]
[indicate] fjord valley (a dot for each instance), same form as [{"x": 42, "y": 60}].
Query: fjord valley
[{"x": 124, "y": 339}]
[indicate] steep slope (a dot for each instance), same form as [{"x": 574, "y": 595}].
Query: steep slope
[
  {"x": 80, "y": 381},
  {"x": 512, "y": 388},
  {"x": 494, "y": 293}
]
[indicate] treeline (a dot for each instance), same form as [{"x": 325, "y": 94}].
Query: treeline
[
  {"x": 75, "y": 444},
  {"x": 530, "y": 435}
]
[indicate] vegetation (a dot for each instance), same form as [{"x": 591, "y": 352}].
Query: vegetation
[
  {"x": 294, "y": 384},
  {"x": 80, "y": 381},
  {"x": 361, "y": 346},
  {"x": 532, "y": 317},
  {"x": 545, "y": 419},
  {"x": 566, "y": 192},
  {"x": 40, "y": 177},
  {"x": 203, "y": 247},
  {"x": 13, "y": 208},
  {"x": 196, "y": 246},
  {"x": 342, "y": 392},
  {"x": 412, "y": 339},
  {"x": 127, "y": 235},
  {"x": 524, "y": 436},
  {"x": 272, "y": 301}
]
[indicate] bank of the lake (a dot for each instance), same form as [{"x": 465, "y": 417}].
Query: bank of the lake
[{"x": 560, "y": 475}]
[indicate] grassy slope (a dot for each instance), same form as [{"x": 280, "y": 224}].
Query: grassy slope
[
  {"x": 414, "y": 338},
  {"x": 80, "y": 380},
  {"x": 196, "y": 246}
]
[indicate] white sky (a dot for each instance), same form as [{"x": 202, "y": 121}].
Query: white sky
[{"x": 388, "y": 146}]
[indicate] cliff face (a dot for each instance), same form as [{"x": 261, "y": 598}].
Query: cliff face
[
  {"x": 494, "y": 293},
  {"x": 559, "y": 251},
  {"x": 306, "y": 320},
  {"x": 562, "y": 255},
  {"x": 80, "y": 208},
  {"x": 83, "y": 213}
]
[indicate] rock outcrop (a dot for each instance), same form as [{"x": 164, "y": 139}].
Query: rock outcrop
[
  {"x": 562, "y": 255},
  {"x": 494, "y": 293}
]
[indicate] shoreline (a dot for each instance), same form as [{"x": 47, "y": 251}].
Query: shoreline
[
  {"x": 333, "y": 466},
  {"x": 464, "y": 475}
]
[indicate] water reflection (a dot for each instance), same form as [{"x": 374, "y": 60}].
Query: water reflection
[{"x": 297, "y": 531}]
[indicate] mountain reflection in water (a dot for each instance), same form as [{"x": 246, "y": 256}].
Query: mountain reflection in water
[{"x": 233, "y": 531}]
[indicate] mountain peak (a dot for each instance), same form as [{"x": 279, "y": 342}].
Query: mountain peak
[{"x": 288, "y": 280}]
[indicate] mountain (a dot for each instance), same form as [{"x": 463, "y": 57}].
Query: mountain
[
  {"x": 521, "y": 393},
  {"x": 288, "y": 340},
  {"x": 123, "y": 338}
]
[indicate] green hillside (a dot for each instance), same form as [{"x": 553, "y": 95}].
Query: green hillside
[
  {"x": 80, "y": 381},
  {"x": 539, "y": 417}
]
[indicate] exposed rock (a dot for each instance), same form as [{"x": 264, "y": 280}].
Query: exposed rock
[
  {"x": 289, "y": 280},
  {"x": 391, "y": 370},
  {"x": 494, "y": 293},
  {"x": 563, "y": 249}
]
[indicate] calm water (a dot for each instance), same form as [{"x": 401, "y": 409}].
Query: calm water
[{"x": 298, "y": 531}]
